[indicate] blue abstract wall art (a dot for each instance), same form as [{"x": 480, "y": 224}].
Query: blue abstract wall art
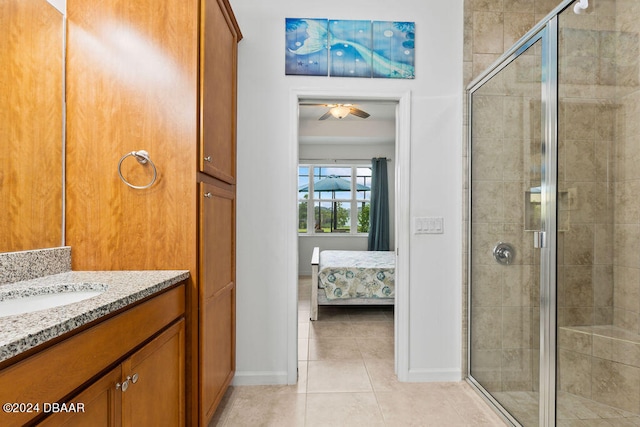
[
  {"x": 393, "y": 49},
  {"x": 306, "y": 47},
  {"x": 350, "y": 48},
  {"x": 350, "y": 43}
]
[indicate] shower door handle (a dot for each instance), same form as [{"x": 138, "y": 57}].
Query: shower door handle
[{"x": 539, "y": 239}]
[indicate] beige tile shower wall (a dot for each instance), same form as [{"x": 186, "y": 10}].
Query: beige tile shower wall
[
  {"x": 586, "y": 137},
  {"x": 585, "y": 250},
  {"x": 599, "y": 115},
  {"x": 626, "y": 296}
]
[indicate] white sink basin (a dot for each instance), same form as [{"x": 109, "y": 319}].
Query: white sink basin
[{"x": 49, "y": 296}]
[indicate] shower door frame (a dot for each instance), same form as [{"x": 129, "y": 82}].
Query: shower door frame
[{"x": 545, "y": 31}]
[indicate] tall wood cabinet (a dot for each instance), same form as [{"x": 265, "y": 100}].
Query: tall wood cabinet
[{"x": 160, "y": 77}]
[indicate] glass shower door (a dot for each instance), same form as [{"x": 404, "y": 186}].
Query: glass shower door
[
  {"x": 598, "y": 324},
  {"x": 506, "y": 207}
]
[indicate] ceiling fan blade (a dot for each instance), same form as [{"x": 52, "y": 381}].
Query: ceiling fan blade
[
  {"x": 358, "y": 112},
  {"x": 325, "y": 116}
]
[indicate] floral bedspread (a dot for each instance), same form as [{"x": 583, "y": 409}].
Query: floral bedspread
[{"x": 357, "y": 274}]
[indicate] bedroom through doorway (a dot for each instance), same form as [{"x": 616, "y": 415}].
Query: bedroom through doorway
[{"x": 337, "y": 140}]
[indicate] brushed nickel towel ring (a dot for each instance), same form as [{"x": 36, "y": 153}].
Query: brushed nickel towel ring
[{"x": 143, "y": 158}]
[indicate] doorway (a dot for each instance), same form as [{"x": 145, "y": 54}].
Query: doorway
[{"x": 308, "y": 149}]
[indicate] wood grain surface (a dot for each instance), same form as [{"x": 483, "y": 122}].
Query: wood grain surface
[
  {"x": 218, "y": 53},
  {"x": 131, "y": 85},
  {"x": 31, "y": 124}
]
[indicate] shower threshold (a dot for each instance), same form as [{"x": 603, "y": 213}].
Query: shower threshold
[{"x": 572, "y": 410}]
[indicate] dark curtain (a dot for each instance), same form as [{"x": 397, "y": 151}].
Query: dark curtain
[{"x": 379, "y": 209}]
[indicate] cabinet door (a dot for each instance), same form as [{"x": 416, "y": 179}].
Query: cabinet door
[
  {"x": 217, "y": 349},
  {"x": 216, "y": 239},
  {"x": 155, "y": 393},
  {"x": 99, "y": 405},
  {"x": 217, "y": 295},
  {"x": 218, "y": 52}
]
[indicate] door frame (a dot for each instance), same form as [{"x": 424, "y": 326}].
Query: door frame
[{"x": 402, "y": 225}]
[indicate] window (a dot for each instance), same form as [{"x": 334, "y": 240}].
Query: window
[{"x": 333, "y": 199}]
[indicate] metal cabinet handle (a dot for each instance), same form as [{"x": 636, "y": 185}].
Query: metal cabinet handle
[
  {"x": 124, "y": 386},
  {"x": 208, "y": 195},
  {"x": 134, "y": 378},
  {"x": 207, "y": 159},
  {"x": 503, "y": 253}
]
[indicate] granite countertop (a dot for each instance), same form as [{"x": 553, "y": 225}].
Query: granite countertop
[{"x": 22, "y": 332}]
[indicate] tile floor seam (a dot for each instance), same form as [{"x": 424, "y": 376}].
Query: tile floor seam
[{"x": 375, "y": 394}]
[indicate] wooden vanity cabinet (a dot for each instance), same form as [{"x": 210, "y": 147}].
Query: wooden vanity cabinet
[
  {"x": 147, "y": 339},
  {"x": 146, "y": 389}
]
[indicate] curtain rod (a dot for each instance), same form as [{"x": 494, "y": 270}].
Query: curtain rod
[{"x": 339, "y": 160}]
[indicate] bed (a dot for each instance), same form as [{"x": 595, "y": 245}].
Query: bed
[{"x": 351, "y": 278}]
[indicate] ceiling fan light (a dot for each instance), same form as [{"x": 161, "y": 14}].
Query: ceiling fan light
[{"x": 340, "y": 111}]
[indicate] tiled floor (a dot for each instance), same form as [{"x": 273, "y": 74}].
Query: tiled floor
[{"x": 346, "y": 378}]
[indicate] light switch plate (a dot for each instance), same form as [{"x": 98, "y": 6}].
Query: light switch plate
[{"x": 429, "y": 225}]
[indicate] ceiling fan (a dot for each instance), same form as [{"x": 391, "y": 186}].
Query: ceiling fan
[{"x": 340, "y": 111}]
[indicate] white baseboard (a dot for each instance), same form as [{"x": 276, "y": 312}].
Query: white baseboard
[
  {"x": 304, "y": 271},
  {"x": 280, "y": 377},
  {"x": 434, "y": 375},
  {"x": 260, "y": 378}
]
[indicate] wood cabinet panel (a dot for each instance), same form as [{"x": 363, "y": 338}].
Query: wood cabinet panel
[
  {"x": 31, "y": 123},
  {"x": 156, "y": 398},
  {"x": 131, "y": 85},
  {"x": 217, "y": 239},
  {"x": 217, "y": 357},
  {"x": 218, "y": 53}
]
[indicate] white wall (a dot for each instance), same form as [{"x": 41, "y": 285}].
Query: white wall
[{"x": 266, "y": 259}]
